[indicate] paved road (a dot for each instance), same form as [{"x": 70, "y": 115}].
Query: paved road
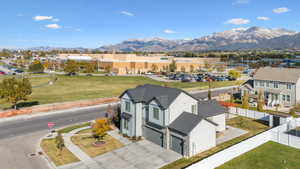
[{"x": 18, "y": 138}]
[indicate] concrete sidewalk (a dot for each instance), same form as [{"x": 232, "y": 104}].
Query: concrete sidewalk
[{"x": 89, "y": 162}]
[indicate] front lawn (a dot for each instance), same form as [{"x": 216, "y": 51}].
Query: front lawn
[
  {"x": 85, "y": 142},
  {"x": 74, "y": 88},
  {"x": 270, "y": 155},
  {"x": 66, "y": 157},
  {"x": 252, "y": 126}
]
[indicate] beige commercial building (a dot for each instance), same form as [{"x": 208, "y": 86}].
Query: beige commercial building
[{"x": 134, "y": 64}]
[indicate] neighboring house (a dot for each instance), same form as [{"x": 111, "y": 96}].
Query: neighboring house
[
  {"x": 171, "y": 118},
  {"x": 280, "y": 86}
]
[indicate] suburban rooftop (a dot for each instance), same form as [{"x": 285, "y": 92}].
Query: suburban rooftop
[
  {"x": 148, "y": 92},
  {"x": 290, "y": 75}
]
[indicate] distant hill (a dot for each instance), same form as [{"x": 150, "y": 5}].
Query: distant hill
[{"x": 240, "y": 38}]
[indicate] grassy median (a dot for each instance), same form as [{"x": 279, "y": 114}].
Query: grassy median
[
  {"x": 68, "y": 88},
  {"x": 252, "y": 126},
  {"x": 66, "y": 157},
  {"x": 270, "y": 155}
]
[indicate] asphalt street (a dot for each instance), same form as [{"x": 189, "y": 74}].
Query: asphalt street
[{"x": 19, "y": 138}]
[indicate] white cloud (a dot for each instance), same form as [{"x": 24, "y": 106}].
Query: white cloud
[
  {"x": 169, "y": 31},
  {"x": 241, "y": 2},
  {"x": 263, "y": 18},
  {"x": 281, "y": 10},
  {"x": 78, "y": 30},
  {"x": 238, "y": 21},
  {"x": 53, "y": 26},
  {"x": 42, "y": 18},
  {"x": 127, "y": 13}
]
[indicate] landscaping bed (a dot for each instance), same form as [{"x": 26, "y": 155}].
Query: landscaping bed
[
  {"x": 253, "y": 127},
  {"x": 86, "y": 143},
  {"x": 66, "y": 157},
  {"x": 270, "y": 155}
]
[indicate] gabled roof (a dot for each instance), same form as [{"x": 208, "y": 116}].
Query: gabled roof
[
  {"x": 146, "y": 93},
  {"x": 186, "y": 122},
  {"x": 290, "y": 75},
  {"x": 210, "y": 108},
  {"x": 249, "y": 84}
]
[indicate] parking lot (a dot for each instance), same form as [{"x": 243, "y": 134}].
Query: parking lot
[{"x": 200, "y": 77}]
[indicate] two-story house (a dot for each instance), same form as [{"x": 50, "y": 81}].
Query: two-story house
[
  {"x": 281, "y": 86},
  {"x": 170, "y": 118}
]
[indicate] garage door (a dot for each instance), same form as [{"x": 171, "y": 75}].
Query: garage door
[
  {"x": 154, "y": 136},
  {"x": 177, "y": 144}
]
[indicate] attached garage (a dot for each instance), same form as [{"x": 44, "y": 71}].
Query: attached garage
[
  {"x": 177, "y": 144},
  {"x": 154, "y": 136}
]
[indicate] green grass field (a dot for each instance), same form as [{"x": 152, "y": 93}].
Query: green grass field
[
  {"x": 68, "y": 88},
  {"x": 270, "y": 155}
]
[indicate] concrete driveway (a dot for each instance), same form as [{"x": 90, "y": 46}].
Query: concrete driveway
[{"x": 139, "y": 155}]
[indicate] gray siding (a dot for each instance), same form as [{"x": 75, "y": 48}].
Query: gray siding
[{"x": 268, "y": 86}]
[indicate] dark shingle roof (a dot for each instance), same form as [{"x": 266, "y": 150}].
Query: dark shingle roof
[
  {"x": 185, "y": 123},
  {"x": 277, "y": 74},
  {"x": 210, "y": 108},
  {"x": 145, "y": 93}
]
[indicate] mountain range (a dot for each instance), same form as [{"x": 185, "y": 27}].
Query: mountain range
[{"x": 235, "y": 39}]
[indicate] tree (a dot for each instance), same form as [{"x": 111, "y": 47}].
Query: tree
[
  {"x": 89, "y": 68},
  {"x": 100, "y": 128},
  {"x": 245, "y": 100},
  {"x": 154, "y": 68},
  {"x": 108, "y": 69},
  {"x": 235, "y": 74},
  {"x": 110, "y": 113},
  {"x": 14, "y": 90},
  {"x": 173, "y": 66},
  {"x": 231, "y": 98},
  {"x": 209, "y": 96},
  {"x": 260, "y": 101},
  {"x": 36, "y": 67},
  {"x": 182, "y": 69},
  {"x": 293, "y": 113},
  {"x": 60, "y": 143},
  {"x": 221, "y": 68},
  {"x": 192, "y": 68},
  {"x": 207, "y": 65},
  {"x": 71, "y": 67}
]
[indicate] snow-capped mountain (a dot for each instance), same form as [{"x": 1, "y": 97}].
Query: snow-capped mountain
[{"x": 239, "y": 38}]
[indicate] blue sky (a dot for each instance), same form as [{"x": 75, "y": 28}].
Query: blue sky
[{"x": 92, "y": 23}]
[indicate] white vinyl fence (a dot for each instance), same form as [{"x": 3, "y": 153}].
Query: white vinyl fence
[
  {"x": 249, "y": 113},
  {"x": 284, "y": 134}
]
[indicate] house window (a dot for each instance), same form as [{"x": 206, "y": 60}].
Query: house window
[
  {"x": 155, "y": 113},
  {"x": 127, "y": 106},
  {"x": 283, "y": 97},
  {"x": 126, "y": 121},
  {"x": 275, "y": 85},
  {"x": 256, "y": 83},
  {"x": 262, "y": 84},
  {"x": 288, "y": 98},
  {"x": 288, "y": 86},
  {"x": 268, "y": 84},
  {"x": 194, "y": 109}
]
